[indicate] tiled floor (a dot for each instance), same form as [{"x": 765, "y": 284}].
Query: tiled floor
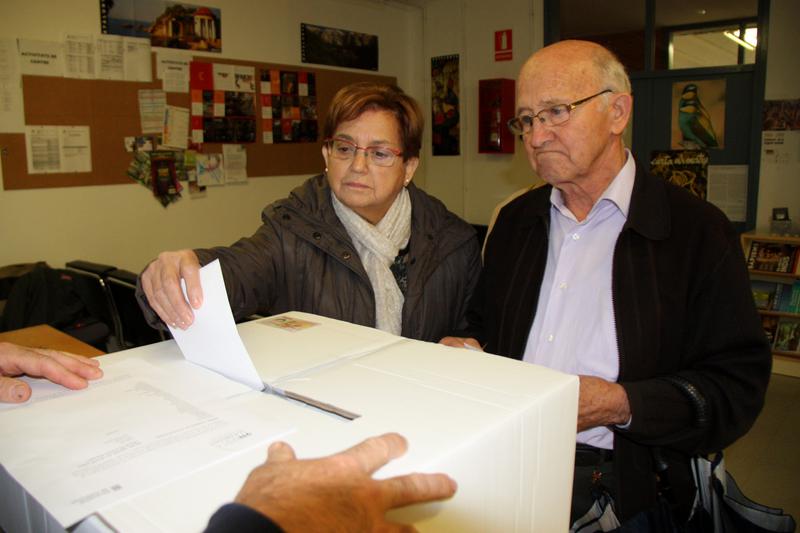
[{"x": 766, "y": 461}]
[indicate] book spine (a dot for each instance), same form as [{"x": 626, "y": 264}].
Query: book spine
[
  {"x": 794, "y": 305},
  {"x": 776, "y": 300},
  {"x": 796, "y": 269},
  {"x": 751, "y": 257}
]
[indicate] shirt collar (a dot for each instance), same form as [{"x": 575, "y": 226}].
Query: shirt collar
[{"x": 618, "y": 191}]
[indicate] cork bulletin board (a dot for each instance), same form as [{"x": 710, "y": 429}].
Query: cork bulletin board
[{"x": 111, "y": 110}]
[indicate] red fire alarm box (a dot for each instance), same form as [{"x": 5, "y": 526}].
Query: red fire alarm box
[{"x": 495, "y": 109}]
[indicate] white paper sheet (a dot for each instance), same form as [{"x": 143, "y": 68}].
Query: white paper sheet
[
  {"x": 12, "y": 116},
  {"x": 176, "y": 127},
  {"x": 213, "y": 341},
  {"x": 52, "y": 149},
  {"x": 173, "y": 71},
  {"x": 166, "y": 422},
  {"x": 152, "y": 103},
  {"x": 79, "y": 56},
  {"x": 224, "y": 79},
  {"x": 76, "y": 150},
  {"x": 110, "y": 62},
  {"x": 235, "y": 158},
  {"x": 727, "y": 189},
  {"x": 41, "y": 58},
  {"x": 210, "y": 169},
  {"x": 137, "y": 59},
  {"x": 244, "y": 79}
]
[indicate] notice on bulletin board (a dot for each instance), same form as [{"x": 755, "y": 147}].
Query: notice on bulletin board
[
  {"x": 58, "y": 149},
  {"x": 727, "y": 189}
]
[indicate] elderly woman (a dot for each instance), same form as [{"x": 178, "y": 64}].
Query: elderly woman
[{"x": 358, "y": 243}]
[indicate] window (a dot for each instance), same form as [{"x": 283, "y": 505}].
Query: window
[{"x": 713, "y": 47}]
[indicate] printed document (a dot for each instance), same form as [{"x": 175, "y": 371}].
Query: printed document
[{"x": 140, "y": 426}]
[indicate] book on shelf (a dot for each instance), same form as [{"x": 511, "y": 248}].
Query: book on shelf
[
  {"x": 794, "y": 299},
  {"x": 783, "y": 258},
  {"x": 764, "y": 293},
  {"x": 787, "y": 335},
  {"x": 770, "y": 325},
  {"x": 776, "y": 295}
]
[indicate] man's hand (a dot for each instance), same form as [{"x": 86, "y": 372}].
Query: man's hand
[
  {"x": 161, "y": 282},
  {"x": 69, "y": 370},
  {"x": 601, "y": 403},
  {"x": 462, "y": 342},
  {"x": 338, "y": 493}
]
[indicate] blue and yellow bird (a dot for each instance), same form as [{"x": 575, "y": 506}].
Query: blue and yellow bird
[{"x": 694, "y": 120}]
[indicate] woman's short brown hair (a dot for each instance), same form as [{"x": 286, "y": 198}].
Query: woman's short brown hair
[{"x": 352, "y": 100}]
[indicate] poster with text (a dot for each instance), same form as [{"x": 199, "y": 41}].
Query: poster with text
[{"x": 684, "y": 168}]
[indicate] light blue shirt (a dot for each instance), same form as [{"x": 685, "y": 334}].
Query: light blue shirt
[{"x": 574, "y": 329}]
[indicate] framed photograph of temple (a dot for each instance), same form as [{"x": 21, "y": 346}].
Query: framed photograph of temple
[
  {"x": 166, "y": 24},
  {"x": 339, "y": 48}
]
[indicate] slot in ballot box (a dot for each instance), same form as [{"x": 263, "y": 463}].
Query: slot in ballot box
[{"x": 179, "y": 440}]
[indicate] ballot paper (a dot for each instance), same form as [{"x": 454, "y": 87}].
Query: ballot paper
[
  {"x": 167, "y": 421},
  {"x": 212, "y": 341}
]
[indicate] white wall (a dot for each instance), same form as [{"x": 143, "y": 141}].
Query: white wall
[
  {"x": 471, "y": 184},
  {"x": 779, "y": 185},
  {"x": 122, "y": 224}
]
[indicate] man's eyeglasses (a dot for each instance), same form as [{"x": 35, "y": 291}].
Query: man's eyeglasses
[
  {"x": 551, "y": 116},
  {"x": 345, "y": 150}
]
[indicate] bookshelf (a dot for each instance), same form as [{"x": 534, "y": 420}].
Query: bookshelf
[{"x": 773, "y": 262}]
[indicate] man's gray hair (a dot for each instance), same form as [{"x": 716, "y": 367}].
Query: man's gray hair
[{"x": 612, "y": 72}]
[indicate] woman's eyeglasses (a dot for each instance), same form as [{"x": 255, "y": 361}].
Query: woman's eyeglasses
[{"x": 345, "y": 150}]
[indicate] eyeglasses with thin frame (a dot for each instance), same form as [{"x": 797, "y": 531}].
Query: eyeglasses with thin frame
[
  {"x": 551, "y": 116},
  {"x": 345, "y": 150}
]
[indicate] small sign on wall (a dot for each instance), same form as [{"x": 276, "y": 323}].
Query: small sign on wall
[{"x": 502, "y": 45}]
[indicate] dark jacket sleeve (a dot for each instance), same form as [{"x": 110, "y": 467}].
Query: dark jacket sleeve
[
  {"x": 234, "y": 517},
  {"x": 249, "y": 267},
  {"x": 725, "y": 357}
]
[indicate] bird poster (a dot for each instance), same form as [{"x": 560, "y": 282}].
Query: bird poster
[{"x": 698, "y": 115}]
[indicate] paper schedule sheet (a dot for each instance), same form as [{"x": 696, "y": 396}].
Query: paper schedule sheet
[{"x": 140, "y": 426}]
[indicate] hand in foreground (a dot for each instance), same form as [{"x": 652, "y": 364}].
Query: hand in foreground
[
  {"x": 337, "y": 493},
  {"x": 462, "y": 342},
  {"x": 161, "y": 281},
  {"x": 601, "y": 403},
  {"x": 69, "y": 370}
]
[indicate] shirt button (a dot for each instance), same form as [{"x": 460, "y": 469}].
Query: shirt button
[
  {"x": 317, "y": 236},
  {"x": 562, "y": 285},
  {"x": 550, "y": 338},
  {"x": 575, "y": 236},
  {"x": 346, "y": 255}
]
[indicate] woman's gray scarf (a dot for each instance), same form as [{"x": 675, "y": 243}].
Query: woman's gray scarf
[{"x": 378, "y": 247}]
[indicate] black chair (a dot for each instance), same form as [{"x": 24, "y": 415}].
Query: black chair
[
  {"x": 98, "y": 274},
  {"x": 68, "y": 300}
]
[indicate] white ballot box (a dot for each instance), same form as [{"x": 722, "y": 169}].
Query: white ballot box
[{"x": 160, "y": 443}]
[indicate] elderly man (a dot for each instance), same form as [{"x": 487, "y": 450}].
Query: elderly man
[{"x": 631, "y": 283}]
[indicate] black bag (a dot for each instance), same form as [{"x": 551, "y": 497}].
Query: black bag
[{"x": 724, "y": 509}]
